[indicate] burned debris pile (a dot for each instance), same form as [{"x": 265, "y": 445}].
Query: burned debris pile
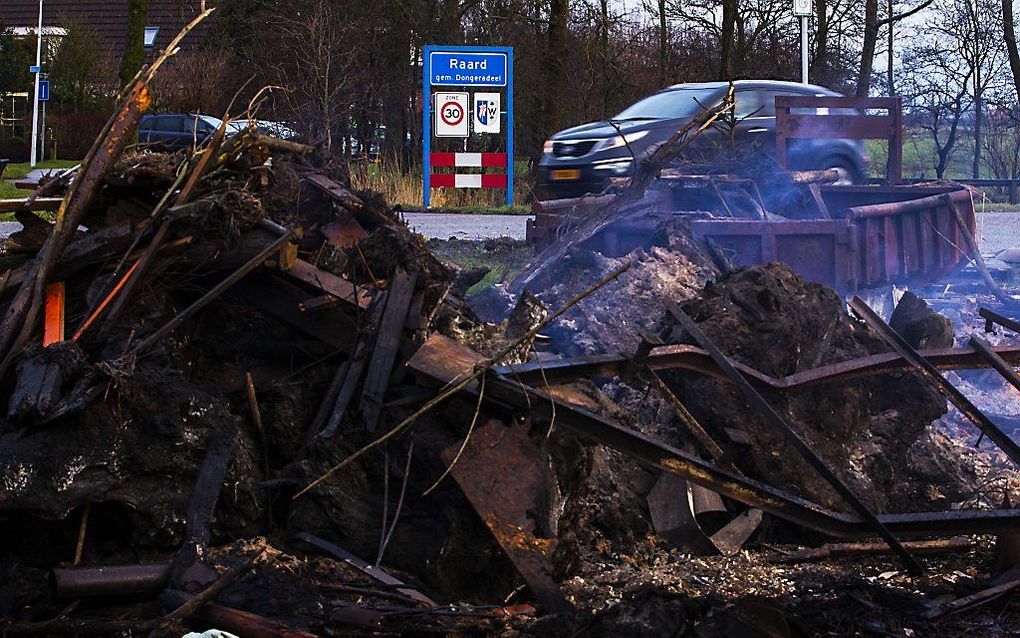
[{"x": 242, "y": 396}]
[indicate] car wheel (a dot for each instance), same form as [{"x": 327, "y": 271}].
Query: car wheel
[{"x": 848, "y": 173}]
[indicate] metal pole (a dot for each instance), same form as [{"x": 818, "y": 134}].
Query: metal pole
[
  {"x": 803, "y": 50},
  {"x": 42, "y": 134},
  {"x": 35, "y": 103}
]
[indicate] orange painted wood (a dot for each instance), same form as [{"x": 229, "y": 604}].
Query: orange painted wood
[{"x": 53, "y": 328}]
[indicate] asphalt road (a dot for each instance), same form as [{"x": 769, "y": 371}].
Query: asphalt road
[
  {"x": 997, "y": 230},
  {"x": 462, "y": 226}
]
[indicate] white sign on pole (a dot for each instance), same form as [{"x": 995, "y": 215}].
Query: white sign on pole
[
  {"x": 802, "y": 8},
  {"x": 485, "y": 116},
  {"x": 451, "y": 114}
]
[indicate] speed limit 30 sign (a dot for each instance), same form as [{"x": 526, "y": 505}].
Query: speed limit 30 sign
[{"x": 451, "y": 114}]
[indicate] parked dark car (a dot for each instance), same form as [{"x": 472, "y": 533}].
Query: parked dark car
[
  {"x": 171, "y": 132},
  {"x": 583, "y": 159}
]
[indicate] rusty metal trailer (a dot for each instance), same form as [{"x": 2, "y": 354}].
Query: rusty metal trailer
[
  {"x": 874, "y": 235},
  {"x": 846, "y": 237}
]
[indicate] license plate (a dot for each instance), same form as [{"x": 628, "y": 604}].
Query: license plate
[{"x": 565, "y": 174}]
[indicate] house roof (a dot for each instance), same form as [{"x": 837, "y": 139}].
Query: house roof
[{"x": 109, "y": 19}]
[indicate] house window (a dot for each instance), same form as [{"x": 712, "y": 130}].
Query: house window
[{"x": 150, "y": 36}]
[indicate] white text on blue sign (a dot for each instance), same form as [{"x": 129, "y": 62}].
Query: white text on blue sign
[{"x": 454, "y": 68}]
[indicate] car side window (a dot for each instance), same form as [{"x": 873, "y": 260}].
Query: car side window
[
  {"x": 747, "y": 104},
  {"x": 769, "y": 102}
]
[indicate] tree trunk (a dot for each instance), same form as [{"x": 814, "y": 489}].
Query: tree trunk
[
  {"x": 868, "y": 48},
  {"x": 821, "y": 41},
  {"x": 890, "y": 78},
  {"x": 1010, "y": 33},
  {"x": 134, "y": 40},
  {"x": 555, "y": 57},
  {"x": 978, "y": 123},
  {"x": 726, "y": 36},
  {"x": 663, "y": 42},
  {"x": 604, "y": 53}
]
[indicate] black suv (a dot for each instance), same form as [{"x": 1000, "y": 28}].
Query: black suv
[{"x": 584, "y": 158}]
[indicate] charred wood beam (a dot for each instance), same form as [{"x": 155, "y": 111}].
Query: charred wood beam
[
  {"x": 110, "y": 581},
  {"x": 141, "y": 267},
  {"x": 841, "y": 550},
  {"x": 203, "y": 500},
  {"x": 329, "y": 283},
  {"x": 20, "y": 318},
  {"x": 387, "y": 343},
  {"x": 91, "y": 248},
  {"x": 235, "y": 621},
  {"x": 213, "y": 294},
  {"x": 934, "y": 378},
  {"x": 444, "y": 360},
  {"x": 278, "y": 297},
  {"x": 780, "y": 425}
]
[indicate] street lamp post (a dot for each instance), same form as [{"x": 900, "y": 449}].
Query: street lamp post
[
  {"x": 802, "y": 9},
  {"x": 35, "y": 103}
]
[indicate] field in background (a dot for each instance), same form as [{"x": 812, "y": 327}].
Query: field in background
[
  {"x": 404, "y": 189},
  {"x": 21, "y": 170}
]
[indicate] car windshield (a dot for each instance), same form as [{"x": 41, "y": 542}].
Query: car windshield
[{"x": 669, "y": 104}]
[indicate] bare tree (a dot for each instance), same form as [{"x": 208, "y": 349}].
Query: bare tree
[
  {"x": 971, "y": 31},
  {"x": 872, "y": 27},
  {"x": 316, "y": 62},
  {"x": 936, "y": 87},
  {"x": 1009, "y": 32},
  {"x": 1002, "y": 144}
]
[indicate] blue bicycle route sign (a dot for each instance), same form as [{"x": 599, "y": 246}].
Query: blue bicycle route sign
[{"x": 448, "y": 113}]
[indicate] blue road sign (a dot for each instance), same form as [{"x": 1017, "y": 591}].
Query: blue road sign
[
  {"x": 446, "y": 66},
  {"x": 34, "y": 69},
  {"x": 44, "y": 90},
  {"x": 475, "y": 67}
]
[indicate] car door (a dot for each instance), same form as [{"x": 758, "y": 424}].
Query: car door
[
  {"x": 160, "y": 133},
  {"x": 754, "y": 123}
]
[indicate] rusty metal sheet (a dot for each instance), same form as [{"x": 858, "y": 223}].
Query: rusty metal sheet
[
  {"x": 779, "y": 424},
  {"x": 344, "y": 233},
  {"x": 686, "y": 357},
  {"x": 503, "y": 473},
  {"x": 443, "y": 359},
  {"x": 671, "y": 506},
  {"x": 731, "y": 538},
  {"x": 931, "y": 375}
]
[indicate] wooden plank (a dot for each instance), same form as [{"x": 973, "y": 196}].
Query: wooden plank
[
  {"x": 39, "y": 203},
  {"x": 279, "y": 298},
  {"x": 329, "y": 283},
  {"x": 53, "y": 326},
  {"x": 391, "y": 328},
  {"x": 336, "y": 191},
  {"x": 91, "y": 248}
]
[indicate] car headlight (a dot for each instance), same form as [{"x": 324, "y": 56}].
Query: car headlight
[
  {"x": 619, "y": 140},
  {"x": 617, "y": 167},
  {"x": 547, "y": 147}
]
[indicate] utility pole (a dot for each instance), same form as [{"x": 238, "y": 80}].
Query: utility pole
[
  {"x": 803, "y": 50},
  {"x": 35, "y": 103},
  {"x": 802, "y": 9}
]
